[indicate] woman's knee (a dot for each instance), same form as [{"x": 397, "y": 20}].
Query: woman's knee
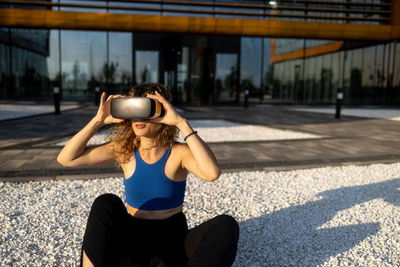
[
  {"x": 106, "y": 203},
  {"x": 228, "y": 224}
]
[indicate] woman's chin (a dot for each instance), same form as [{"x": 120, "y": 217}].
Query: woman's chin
[
  {"x": 139, "y": 133},
  {"x": 144, "y": 133}
]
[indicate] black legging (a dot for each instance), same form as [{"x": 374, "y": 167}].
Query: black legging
[{"x": 115, "y": 238}]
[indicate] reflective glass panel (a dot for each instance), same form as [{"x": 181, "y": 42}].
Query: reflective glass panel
[
  {"x": 146, "y": 63},
  {"x": 309, "y": 79},
  {"x": 250, "y": 65},
  {"x": 346, "y": 67},
  {"x": 225, "y": 77},
  {"x": 5, "y": 77},
  {"x": 81, "y": 6},
  {"x": 53, "y": 60},
  {"x": 84, "y": 59},
  {"x": 318, "y": 73},
  {"x": 267, "y": 82},
  {"x": 120, "y": 62},
  {"x": 396, "y": 70},
  {"x": 336, "y": 76},
  {"x": 196, "y": 74},
  {"x": 326, "y": 78},
  {"x": 356, "y": 75},
  {"x": 379, "y": 63},
  {"x": 182, "y": 76},
  {"x": 30, "y": 76}
]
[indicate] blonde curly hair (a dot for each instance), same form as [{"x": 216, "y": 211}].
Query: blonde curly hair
[{"x": 123, "y": 138}]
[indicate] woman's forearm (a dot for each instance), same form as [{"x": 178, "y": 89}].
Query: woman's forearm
[
  {"x": 203, "y": 155},
  {"x": 77, "y": 144}
]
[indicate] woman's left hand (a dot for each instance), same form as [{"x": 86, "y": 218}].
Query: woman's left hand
[{"x": 171, "y": 116}]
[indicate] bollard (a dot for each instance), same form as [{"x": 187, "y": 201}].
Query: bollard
[
  {"x": 56, "y": 95},
  {"x": 339, "y": 101}
]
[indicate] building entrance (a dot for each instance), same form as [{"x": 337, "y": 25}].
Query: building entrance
[{"x": 196, "y": 69}]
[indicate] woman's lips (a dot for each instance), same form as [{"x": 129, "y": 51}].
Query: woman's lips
[{"x": 140, "y": 125}]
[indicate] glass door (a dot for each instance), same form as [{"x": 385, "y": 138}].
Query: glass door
[
  {"x": 196, "y": 75},
  {"x": 176, "y": 71},
  {"x": 225, "y": 77}
]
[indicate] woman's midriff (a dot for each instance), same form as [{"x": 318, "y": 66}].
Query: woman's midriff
[{"x": 153, "y": 214}]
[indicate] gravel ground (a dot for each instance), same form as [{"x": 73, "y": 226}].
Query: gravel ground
[
  {"x": 225, "y": 131},
  {"x": 332, "y": 216}
]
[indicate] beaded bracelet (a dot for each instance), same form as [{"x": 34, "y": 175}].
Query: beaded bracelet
[{"x": 187, "y": 136}]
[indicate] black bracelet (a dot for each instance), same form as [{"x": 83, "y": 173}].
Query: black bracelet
[{"x": 187, "y": 136}]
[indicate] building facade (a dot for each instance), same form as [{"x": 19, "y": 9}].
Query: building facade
[{"x": 200, "y": 68}]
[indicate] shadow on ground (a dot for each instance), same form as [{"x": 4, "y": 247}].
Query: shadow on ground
[{"x": 293, "y": 235}]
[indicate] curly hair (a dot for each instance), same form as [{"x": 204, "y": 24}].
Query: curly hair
[{"x": 123, "y": 138}]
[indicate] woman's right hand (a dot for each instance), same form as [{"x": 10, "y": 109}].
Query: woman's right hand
[{"x": 104, "y": 111}]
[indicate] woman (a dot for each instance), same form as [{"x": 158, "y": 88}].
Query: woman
[{"x": 155, "y": 167}]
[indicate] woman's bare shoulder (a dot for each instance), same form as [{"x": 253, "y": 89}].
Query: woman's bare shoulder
[{"x": 179, "y": 148}]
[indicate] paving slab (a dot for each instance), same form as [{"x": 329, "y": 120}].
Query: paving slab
[{"x": 27, "y": 150}]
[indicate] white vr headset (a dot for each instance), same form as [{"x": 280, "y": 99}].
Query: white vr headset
[{"x": 142, "y": 108}]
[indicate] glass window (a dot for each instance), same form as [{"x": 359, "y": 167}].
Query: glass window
[
  {"x": 396, "y": 70},
  {"x": 225, "y": 77},
  {"x": 32, "y": 38},
  {"x": 145, "y": 8},
  {"x": 290, "y": 68},
  {"x": 30, "y": 77},
  {"x": 395, "y": 95},
  {"x": 84, "y": 59},
  {"x": 182, "y": 76},
  {"x": 233, "y": 9},
  {"x": 298, "y": 79},
  {"x": 368, "y": 70},
  {"x": 288, "y": 45},
  {"x": 146, "y": 63},
  {"x": 309, "y": 79},
  {"x": 346, "y": 67},
  {"x": 120, "y": 62},
  {"x": 326, "y": 78},
  {"x": 203, "y": 10},
  {"x": 368, "y": 67},
  {"x": 250, "y": 64},
  {"x": 356, "y": 75},
  {"x": 318, "y": 76},
  {"x": 53, "y": 60},
  {"x": 197, "y": 57},
  {"x": 390, "y": 63},
  {"x": 379, "y": 63},
  {"x": 336, "y": 76},
  {"x": 386, "y": 62},
  {"x": 278, "y": 72},
  {"x": 83, "y": 9},
  {"x": 267, "y": 82},
  {"x": 5, "y": 77}
]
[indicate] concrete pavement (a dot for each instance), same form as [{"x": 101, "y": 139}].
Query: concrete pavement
[{"x": 27, "y": 153}]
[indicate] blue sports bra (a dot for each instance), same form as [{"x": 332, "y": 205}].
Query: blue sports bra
[{"x": 150, "y": 189}]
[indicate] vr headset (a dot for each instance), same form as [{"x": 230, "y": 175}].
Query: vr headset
[{"x": 141, "y": 108}]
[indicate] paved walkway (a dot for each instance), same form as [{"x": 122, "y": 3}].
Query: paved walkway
[
  {"x": 15, "y": 111},
  {"x": 26, "y": 152}
]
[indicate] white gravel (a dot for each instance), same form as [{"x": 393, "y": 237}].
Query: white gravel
[
  {"x": 212, "y": 131},
  {"x": 378, "y": 113},
  {"x": 331, "y": 216}
]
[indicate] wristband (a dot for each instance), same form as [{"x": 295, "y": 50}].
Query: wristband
[{"x": 187, "y": 136}]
